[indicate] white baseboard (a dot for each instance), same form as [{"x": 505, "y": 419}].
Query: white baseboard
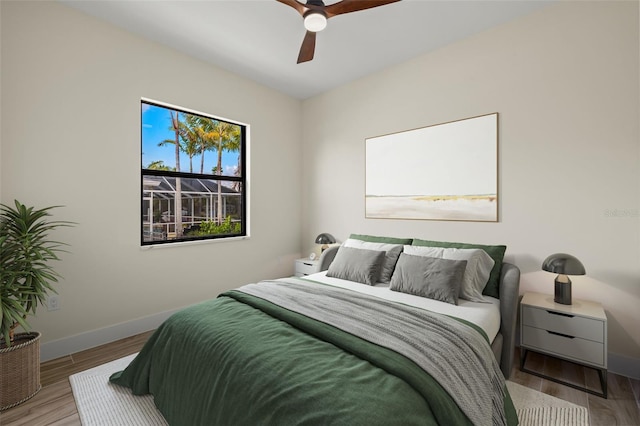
[
  {"x": 624, "y": 365},
  {"x": 90, "y": 339}
]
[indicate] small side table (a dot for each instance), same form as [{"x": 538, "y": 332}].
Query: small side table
[
  {"x": 576, "y": 333},
  {"x": 306, "y": 266}
]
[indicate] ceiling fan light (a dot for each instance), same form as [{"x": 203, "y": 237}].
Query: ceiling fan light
[{"x": 315, "y": 21}]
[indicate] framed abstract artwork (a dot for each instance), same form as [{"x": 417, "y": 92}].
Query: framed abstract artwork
[{"x": 445, "y": 171}]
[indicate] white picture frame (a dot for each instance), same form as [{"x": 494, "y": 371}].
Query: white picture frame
[{"x": 446, "y": 171}]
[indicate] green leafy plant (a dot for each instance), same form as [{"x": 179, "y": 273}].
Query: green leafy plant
[
  {"x": 26, "y": 275},
  {"x": 212, "y": 228}
]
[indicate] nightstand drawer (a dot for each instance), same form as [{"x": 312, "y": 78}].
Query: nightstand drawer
[
  {"x": 306, "y": 267},
  {"x": 572, "y": 325},
  {"x": 574, "y": 348}
]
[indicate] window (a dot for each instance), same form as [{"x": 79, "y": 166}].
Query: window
[{"x": 193, "y": 175}]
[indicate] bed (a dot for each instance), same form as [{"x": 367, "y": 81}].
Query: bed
[{"x": 359, "y": 343}]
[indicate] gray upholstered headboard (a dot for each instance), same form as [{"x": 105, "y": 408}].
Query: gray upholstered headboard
[
  {"x": 327, "y": 257},
  {"x": 509, "y": 296},
  {"x": 504, "y": 344}
]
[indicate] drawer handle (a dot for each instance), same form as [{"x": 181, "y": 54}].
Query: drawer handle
[
  {"x": 560, "y": 334},
  {"x": 309, "y": 264},
  {"x": 560, "y": 314}
]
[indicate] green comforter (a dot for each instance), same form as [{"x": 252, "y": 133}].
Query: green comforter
[{"x": 228, "y": 361}]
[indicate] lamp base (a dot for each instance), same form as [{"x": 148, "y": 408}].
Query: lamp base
[{"x": 562, "y": 290}]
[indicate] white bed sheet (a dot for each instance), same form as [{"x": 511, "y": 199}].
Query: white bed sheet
[{"x": 485, "y": 315}]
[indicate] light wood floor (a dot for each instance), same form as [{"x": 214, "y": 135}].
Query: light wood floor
[
  {"x": 54, "y": 404},
  {"x": 622, "y": 406}
]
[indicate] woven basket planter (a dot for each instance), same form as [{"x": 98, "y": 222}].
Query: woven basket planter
[{"x": 19, "y": 370}]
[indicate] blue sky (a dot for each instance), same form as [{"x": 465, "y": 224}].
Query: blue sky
[{"x": 156, "y": 124}]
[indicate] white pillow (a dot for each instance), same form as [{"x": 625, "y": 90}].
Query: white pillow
[
  {"x": 424, "y": 251},
  {"x": 476, "y": 275},
  {"x": 392, "y": 252}
]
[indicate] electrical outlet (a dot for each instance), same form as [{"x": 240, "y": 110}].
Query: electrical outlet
[{"x": 53, "y": 302}]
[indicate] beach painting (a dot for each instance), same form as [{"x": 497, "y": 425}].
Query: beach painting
[{"x": 445, "y": 171}]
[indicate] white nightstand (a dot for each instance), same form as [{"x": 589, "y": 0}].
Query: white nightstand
[
  {"x": 306, "y": 266},
  {"x": 576, "y": 332}
]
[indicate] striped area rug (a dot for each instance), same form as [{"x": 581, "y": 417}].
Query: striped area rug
[
  {"x": 553, "y": 416},
  {"x": 103, "y": 404},
  {"x": 538, "y": 409}
]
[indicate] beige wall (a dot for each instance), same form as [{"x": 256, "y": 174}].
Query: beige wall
[
  {"x": 71, "y": 89},
  {"x": 565, "y": 83}
]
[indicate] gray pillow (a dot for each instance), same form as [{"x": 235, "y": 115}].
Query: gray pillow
[
  {"x": 390, "y": 258},
  {"x": 475, "y": 278},
  {"x": 359, "y": 265},
  {"x": 435, "y": 278}
]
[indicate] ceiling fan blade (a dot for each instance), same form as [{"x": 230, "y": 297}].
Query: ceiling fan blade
[
  {"x": 347, "y": 6},
  {"x": 308, "y": 47},
  {"x": 301, "y": 8}
]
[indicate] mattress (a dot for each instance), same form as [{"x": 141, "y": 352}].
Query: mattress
[{"x": 484, "y": 315}]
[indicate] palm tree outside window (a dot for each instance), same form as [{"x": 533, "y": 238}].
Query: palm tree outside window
[{"x": 181, "y": 205}]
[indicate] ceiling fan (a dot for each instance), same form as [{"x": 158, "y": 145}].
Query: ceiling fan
[{"x": 315, "y": 15}]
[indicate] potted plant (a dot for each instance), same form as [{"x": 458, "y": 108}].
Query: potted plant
[{"x": 26, "y": 278}]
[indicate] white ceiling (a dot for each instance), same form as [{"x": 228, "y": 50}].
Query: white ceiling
[{"x": 260, "y": 39}]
